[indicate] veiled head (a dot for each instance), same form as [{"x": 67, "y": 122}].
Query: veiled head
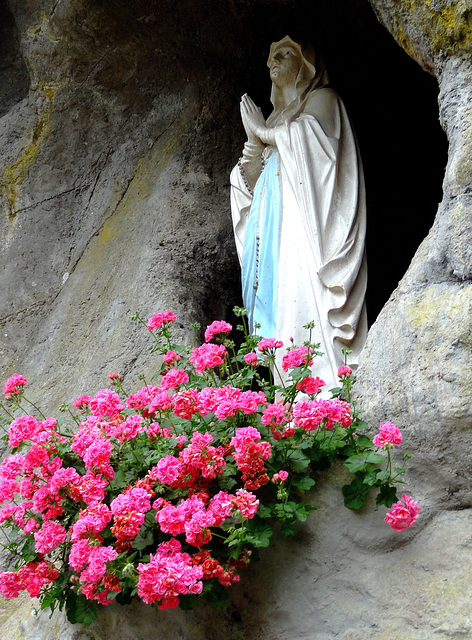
[
  {"x": 293, "y": 62},
  {"x": 295, "y": 67}
]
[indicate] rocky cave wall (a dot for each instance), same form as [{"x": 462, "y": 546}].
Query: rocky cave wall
[{"x": 118, "y": 128}]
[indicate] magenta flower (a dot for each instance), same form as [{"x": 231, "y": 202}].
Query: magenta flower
[
  {"x": 82, "y": 401},
  {"x": 402, "y": 516},
  {"x": 269, "y": 344},
  {"x": 296, "y": 358},
  {"x": 106, "y": 403},
  {"x": 344, "y": 371},
  {"x": 13, "y": 384},
  {"x": 310, "y": 385},
  {"x": 251, "y": 359},
  {"x": 208, "y": 356},
  {"x": 173, "y": 379},
  {"x": 216, "y": 327},
  {"x": 389, "y": 434},
  {"x": 159, "y": 319}
]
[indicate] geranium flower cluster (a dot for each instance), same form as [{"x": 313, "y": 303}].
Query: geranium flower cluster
[
  {"x": 309, "y": 415},
  {"x": 157, "y": 492},
  {"x": 388, "y": 435},
  {"x": 403, "y": 513},
  {"x": 297, "y": 357}
]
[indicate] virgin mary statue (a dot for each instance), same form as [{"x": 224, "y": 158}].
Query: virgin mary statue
[{"x": 298, "y": 207}]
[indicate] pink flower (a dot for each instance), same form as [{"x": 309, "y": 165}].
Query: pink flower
[
  {"x": 216, "y": 327},
  {"x": 91, "y": 522},
  {"x": 296, "y": 358},
  {"x": 49, "y": 536},
  {"x": 160, "y": 319},
  {"x": 155, "y": 431},
  {"x": 185, "y": 403},
  {"x": 344, "y": 371},
  {"x": 221, "y": 506},
  {"x": 251, "y": 359},
  {"x": 13, "y": 384},
  {"x": 310, "y": 386},
  {"x": 12, "y": 466},
  {"x": 269, "y": 344},
  {"x": 281, "y": 476},
  {"x": 82, "y": 401},
  {"x": 170, "y": 357},
  {"x": 88, "y": 432},
  {"x": 125, "y": 431},
  {"x": 141, "y": 398},
  {"x": 106, "y": 403},
  {"x": 97, "y": 457},
  {"x": 160, "y": 402},
  {"x": 64, "y": 477},
  {"x": 246, "y": 502},
  {"x": 10, "y": 584},
  {"x": 7, "y": 489},
  {"x": 208, "y": 356},
  {"x": 388, "y": 434},
  {"x": 168, "y": 470},
  {"x": 23, "y": 428},
  {"x": 401, "y": 516},
  {"x": 173, "y": 379},
  {"x": 168, "y": 574},
  {"x": 275, "y": 415},
  {"x": 319, "y": 412},
  {"x": 115, "y": 378},
  {"x": 7, "y": 512}
]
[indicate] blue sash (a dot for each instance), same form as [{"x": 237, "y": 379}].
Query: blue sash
[{"x": 259, "y": 270}]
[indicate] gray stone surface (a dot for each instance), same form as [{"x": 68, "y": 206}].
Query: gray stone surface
[
  {"x": 107, "y": 195},
  {"x": 114, "y": 197}
]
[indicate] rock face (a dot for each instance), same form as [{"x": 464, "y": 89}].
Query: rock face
[
  {"x": 423, "y": 378},
  {"x": 103, "y": 163},
  {"x": 118, "y": 129}
]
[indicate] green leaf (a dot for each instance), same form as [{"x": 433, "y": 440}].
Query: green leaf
[
  {"x": 400, "y": 471},
  {"x": 187, "y": 602},
  {"x": 383, "y": 475},
  {"x": 364, "y": 441},
  {"x": 304, "y": 482},
  {"x": 370, "y": 477},
  {"x": 79, "y": 609},
  {"x": 28, "y": 551},
  {"x": 288, "y": 528},
  {"x": 355, "y": 494},
  {"x": 218, "y": 595},
  {"x": 387, "y": 495},
  {"x": 259, "y": 533},
  {"x": 359, "y": 424},
  {"x": 264, "y": 511},
  {"x": 298, "y": 460},
  {"x": 143, "y": 540},
  {"x": 362, "y": 460}
]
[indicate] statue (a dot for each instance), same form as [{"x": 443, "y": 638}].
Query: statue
[{"x": 298, "y": 207}]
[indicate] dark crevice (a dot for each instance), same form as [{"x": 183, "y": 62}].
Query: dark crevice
[{"x": 14, "y": 78}]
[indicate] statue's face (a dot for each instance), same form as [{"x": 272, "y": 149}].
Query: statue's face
[{"x": 284, "y": 65}]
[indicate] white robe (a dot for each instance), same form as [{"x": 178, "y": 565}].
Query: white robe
[{"x": 322, "y": 272}]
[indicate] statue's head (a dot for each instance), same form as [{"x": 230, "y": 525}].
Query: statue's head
[
  {"x": 295, "y": 66},
  {"x": 291, "y": 63}
]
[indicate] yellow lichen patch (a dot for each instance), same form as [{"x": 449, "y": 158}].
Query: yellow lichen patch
[
  {"x": 404, "y": 41},
  {"x": 117, "y": 227},
  {"x": 434, "y": 310},
  {"x": 41, "y": 29},
  {"x": 448, "y": 29},
  {"x": 452, "y": 30},
  {"x": 15, "y": 174}
]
